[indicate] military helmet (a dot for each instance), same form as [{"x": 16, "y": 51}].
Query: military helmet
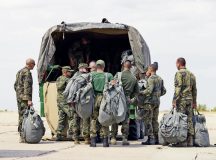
[
  {"x": 100, "y": 62},
  {"x": 67, "y": 68},
  {"x": 83, "y": 65}
]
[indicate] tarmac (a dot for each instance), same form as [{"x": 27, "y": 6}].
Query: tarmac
[{"x": 11, "y": 149}]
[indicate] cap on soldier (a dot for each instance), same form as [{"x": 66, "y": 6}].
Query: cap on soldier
[
  {"x": 83, "y": 65},
  {"x": 100, "y": 62},
  {"x": 68, "y": 68}
]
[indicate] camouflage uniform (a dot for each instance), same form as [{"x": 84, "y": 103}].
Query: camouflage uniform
[
  {"x": 131, "y": 88},
  {"x": 79, "y": 52},
  {"x": 23, "y": 88},
  {"x": 64, "y": 110},
  {"x": 154, "y": 90},
  {"x": 185, "y": 94}
]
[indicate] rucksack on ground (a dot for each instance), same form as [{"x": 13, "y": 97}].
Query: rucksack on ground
[
  {"x": 201, "y": 135},
  {"x": 173, "y": 128},
  {"x": 113, "y": 106},
  {"x": 32, "y": 127}
]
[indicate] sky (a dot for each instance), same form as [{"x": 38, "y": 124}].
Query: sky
[{"x": 171, "y": 29}]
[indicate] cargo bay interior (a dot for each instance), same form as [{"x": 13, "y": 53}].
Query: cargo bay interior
[{"x": 107, "y": 45}]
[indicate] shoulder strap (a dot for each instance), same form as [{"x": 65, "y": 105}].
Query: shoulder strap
[
  {"x": 119, "y": 76},
  {"x": 106, "y": 77}
]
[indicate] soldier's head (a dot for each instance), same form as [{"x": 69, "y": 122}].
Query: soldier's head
[
  {"x": 83, "y": 67},
  {"x": 151, "y": 70},
  {"x": 30, "y": 63},
  {"x": 127, "y": 65},
  {"x": 100, "y": 65},
  {"x": 67, "y": 71},
  {"x": 85, "y": 41},
  {"x": 180, "y": 63},
  {"x": 92, "y": 66}
]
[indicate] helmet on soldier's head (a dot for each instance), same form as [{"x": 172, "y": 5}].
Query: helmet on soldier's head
[
  {"x": 67, "y": 68},
  {"x": 100, "y": 62},
  {"x": 83, "y": 65}
]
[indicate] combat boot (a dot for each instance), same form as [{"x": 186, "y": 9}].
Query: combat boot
[
  {"x": 180, "y": 144},
  {"x": 105, "y": 142},
  {"x": 150, "y": 141},
  {"x": 59, "y": 137},
  {"x": 125, "y": 142},
  {"x": 93, "y": 142},
  {"x": 76, "y": 141},
  {"x": 190, "y": 141},
  {"x": 87, "y": 141},
  {"x": 113, "y": 141}
]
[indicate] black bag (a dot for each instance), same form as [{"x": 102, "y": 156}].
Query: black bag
[{"x": 201, "y": 135}]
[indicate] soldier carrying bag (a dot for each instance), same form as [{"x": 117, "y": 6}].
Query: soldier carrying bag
[
  {"x": 201, "y": 135},
  {"x": 113, "y": 106},
  {"x": 32, "y": 127},
  {"x": 173, "y": 128}
]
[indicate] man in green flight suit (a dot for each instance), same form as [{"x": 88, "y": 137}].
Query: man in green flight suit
[
  {"x": 131, "y": 89},
  {"x": 23, "y": 88},
  {"x": 185, "y": 96},
  {"x": 98, "y": 82},
  {"x": 64, "y": 110},
  {"x": 154, "y": 90}
]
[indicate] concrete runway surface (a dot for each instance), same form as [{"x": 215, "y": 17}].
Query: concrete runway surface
[{"x": 51, "y": 150}]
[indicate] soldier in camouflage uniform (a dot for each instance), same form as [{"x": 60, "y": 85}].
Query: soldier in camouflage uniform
[
  {"x": 64, "y": 110},
  {"x": 154, "y": 90},
  {"x": 185, "y": 95},
  {"x": 98, "y": 82},
  {"x": 23, "y": 88},
  {"x": 76, "y": 122},
  {"x": 131, "y": 88},
  {"x": 79, "y": 52}
]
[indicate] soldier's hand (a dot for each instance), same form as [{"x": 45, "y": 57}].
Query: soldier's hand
[
  {"x": 174, "y": 103},
  {"x": 30, "y": 103},
  {"x": 194, "y": 105}
]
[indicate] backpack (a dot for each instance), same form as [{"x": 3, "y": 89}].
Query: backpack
[
  {"x": 113, "y": 105},
  {"x": 85, "y": 99},
  {"x": 32, "y": 127},
  {"x": 201, "y": 135},
  {"x": 173, "y": 127}
]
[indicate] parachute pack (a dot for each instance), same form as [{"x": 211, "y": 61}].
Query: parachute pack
[
  {"x": 32, "y": 127},
  {"x": 173, "y": 127},
  {"x": 113, "y": 106},
  {"x": 201, "y": 135}
]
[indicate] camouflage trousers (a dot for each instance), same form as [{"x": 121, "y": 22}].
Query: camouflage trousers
[
  {"x": 150, "y": 114},
  {"x": 124, "y": 129},
  {"x": 64, "y": 112},
  {"x": 76, "y": 126},
  {"x": 104, "y": 131},
  {"x": 22, "y": 106},
  {"x": 185, "y": 107}
]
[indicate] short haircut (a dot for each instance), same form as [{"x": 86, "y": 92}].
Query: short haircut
[
  {"x": 153, "y": 67},
  {"x": 181, "y": 61}
]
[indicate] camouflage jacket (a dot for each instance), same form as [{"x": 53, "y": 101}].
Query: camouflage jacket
[
  {"x": 61, "y": 84},
  {"x": 185, "y": 86},
  {"x": 23, "y": 84},
  {"x": 154, "y": 90}
]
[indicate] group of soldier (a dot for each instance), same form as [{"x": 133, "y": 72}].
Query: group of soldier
[{"x": 184, "y": 101}]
